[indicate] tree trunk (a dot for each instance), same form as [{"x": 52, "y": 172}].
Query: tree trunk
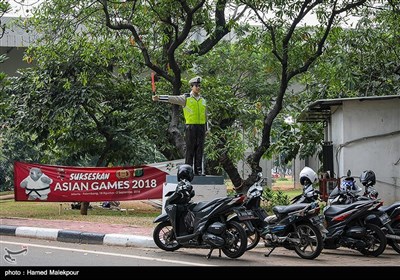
[{"x": 84, "y": 207}]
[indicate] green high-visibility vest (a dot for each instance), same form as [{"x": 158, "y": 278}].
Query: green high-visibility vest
[{"x": 195, "y": 111}]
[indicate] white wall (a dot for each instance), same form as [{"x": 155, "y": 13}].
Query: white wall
[
  {"x": 337, "y": 138},
  {"x": 362, "y": 140}
]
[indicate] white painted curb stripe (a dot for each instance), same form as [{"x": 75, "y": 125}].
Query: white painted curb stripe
[
  {"x": 108, "y": 239},
  {"x": 128, "y": 240},
  {"x": 42, "y": 233}
]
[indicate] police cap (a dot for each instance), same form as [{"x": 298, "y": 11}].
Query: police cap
[{"x": 195, "y": 80}]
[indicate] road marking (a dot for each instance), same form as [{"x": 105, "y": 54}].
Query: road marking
[{"x": 108, "y": 254}]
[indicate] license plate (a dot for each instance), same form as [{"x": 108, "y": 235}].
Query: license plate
[{"x": 384, "y": 218}]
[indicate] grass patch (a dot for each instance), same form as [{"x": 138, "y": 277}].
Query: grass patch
[{"x": 141, "y": 216}]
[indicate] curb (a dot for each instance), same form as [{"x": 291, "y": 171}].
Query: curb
[{"x": 72, "y": 236}]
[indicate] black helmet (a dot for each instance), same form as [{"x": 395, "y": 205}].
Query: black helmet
[
  {"x": 367, "y": 178},
  {"x": 185, "y": 172}
]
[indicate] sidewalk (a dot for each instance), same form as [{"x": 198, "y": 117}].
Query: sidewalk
[{"x": 78, "y": 232}]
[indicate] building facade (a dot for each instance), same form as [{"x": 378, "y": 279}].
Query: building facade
[{"x": 362, "y": 133}]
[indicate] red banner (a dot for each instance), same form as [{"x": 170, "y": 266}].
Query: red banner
[{"x": 37, "y": 182}]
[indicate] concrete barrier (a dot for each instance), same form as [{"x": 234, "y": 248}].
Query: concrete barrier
[{"x": 206, "y": 188}]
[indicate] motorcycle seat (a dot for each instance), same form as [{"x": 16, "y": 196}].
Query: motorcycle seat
[
  {"x": 204, "y": 204},
  {"x": 284, "y": 209},
  {"x": 336, "y": 209},
  {"x": 389, "y": 208}
]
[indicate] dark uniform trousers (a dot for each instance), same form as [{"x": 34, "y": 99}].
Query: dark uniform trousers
[{"x": 195, "y": 136}]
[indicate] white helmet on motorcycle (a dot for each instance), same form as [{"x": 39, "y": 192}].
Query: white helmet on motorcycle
[{"x": 307, "y": 176}]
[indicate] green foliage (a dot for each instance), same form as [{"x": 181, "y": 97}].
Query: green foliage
[
  {"x": 231, "y": 192},
  {"x": 239, "y": 96},
  {"x": 3, "y": 186},
  {"x": 272, "y": 198},
  {"x": 4, "y": 8},
  {"x": 84, "y": 102},
  {"x": 85, "y": 120},
  {"x": 361, "y": 61}
]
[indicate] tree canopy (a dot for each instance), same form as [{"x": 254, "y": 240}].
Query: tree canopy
[{"x": 87, "y": 97}]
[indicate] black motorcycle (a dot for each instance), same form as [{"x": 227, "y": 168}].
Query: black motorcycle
[
  {"x": 386, "y": 217},
  {"x": 199, "y": 225},
  {"x": 294, "y": 227},
  {"x": 252, "y": 215},
  {"x": 348, "y": 225},
  {"x": 297, "y": 227},
  {"x": 391, "y": 229}
]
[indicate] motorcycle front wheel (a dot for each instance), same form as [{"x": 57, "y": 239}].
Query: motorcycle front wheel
[
  {"x": 376, "y": 241},
  {"x": 311, "y": 243},
  {"x": 164, "y": 237},
  {"x": 235, "y": 240},
  {"x": 395, "y": 243}
]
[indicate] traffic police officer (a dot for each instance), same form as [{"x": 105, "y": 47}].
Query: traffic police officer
[{"x": 195, "y": 113}]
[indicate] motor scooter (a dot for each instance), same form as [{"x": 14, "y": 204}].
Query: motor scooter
[{"x": 204, "y": 224}]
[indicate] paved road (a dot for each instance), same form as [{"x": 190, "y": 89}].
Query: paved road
[
  {"x": 91, "y": 248},
  {"x": 39, "y": 252}
]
